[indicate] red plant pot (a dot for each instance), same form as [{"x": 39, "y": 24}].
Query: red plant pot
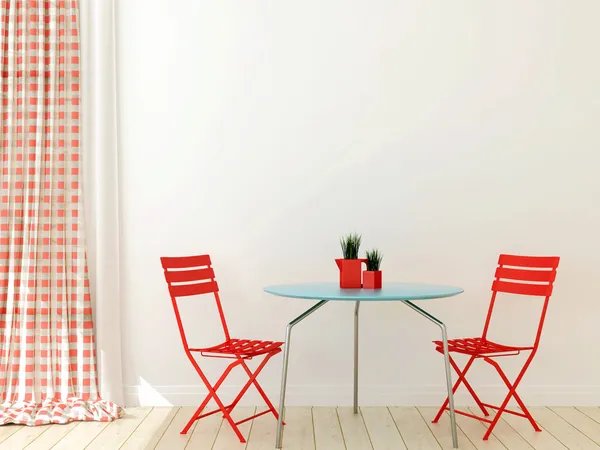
[
  {"x": 372, "y": 279},
  {"x": 350, "y": 273}
]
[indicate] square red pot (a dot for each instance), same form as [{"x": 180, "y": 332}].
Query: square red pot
[{"x": 372, "y": 279}]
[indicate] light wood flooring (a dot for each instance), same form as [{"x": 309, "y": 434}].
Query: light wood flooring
[{"x": 318, "y": 428}]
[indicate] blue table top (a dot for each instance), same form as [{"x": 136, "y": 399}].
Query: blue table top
[{"x": 389, "y": 292}]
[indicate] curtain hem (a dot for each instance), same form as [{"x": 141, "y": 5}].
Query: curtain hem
[{"x": 59, "y": 412}]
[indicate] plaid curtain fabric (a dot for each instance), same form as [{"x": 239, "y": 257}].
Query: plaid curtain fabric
[{"x": 47, "y": 350}]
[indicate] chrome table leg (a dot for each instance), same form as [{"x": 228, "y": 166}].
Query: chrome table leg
[
  {"x": 286, "y": 357},
  {"x": 356, "y": 357},
  {"x": 440, "y": 324}
]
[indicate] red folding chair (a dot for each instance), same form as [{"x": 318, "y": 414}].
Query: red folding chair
[
  {"x": 522, "y": 275},
  {"x": 193, "y": 275}
]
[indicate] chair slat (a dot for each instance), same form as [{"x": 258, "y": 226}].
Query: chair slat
[
  {"x": 542, "y": 290},
  {"x": 181, "y": 262},
  {"x": 180, "y": 276},
  {"x": 184, "y": 290},
  {"x": 550, "y": 262},
  {"x": 526, "y": 275}
]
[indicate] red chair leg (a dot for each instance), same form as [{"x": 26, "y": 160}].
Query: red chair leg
[
  {"x": 226, "y": 410},
  {"x": 258, "y": 387},
  {"x": 461, "y": 379},
  {"x": 209, "y": 396},
  {"x": 227, "y": 417},
  {"x": 196, "y": 415},
  {"x": 213, "y": 394},
  {"x": 471, "y": 391},
  {"x": 252, "y": 378},
  {"x": 512, "y": 393}
]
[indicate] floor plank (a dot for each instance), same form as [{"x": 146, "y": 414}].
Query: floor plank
[
  {"x": 475, "y": 430},
  {"x": 382, "y": 429},
  {"x": 23, "y": 437},
  {"x": 7, "y": 431},
  {"x": 414, "y": 430},
  {"x": 442, "y": 432},
  {"x": 204, "y": 435},
  {"x": 118, "y": 431},
  {"x": 580, "y": 421},
  {"x": 593, "y": 412},
  {"x": 227, "y": 439},
  {"x": 149, "y": 432},
  {"x": 504, "y": 433},
  {"x": 53, "y": 435},
  {"x": 328, "y": 432},
  {"x": 298, "y": 433},
  {"x": 81, "y": 436},
  {"x": 562, "y": 430},
  {"x": 263, "y": 433},
  {"x": 538, "y": 440},
  {"x": 172, "y": 439},
  {"x": 354, "y": 430}
]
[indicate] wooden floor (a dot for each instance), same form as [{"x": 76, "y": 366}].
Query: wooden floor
[{"x": 376, "y": 428}]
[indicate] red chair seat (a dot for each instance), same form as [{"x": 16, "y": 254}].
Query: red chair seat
[
  {"x": 477, "y": 347},
  {"x": 245, "y": 348}
]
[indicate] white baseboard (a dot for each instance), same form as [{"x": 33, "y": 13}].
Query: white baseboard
[{"x": 370, "y": 395}]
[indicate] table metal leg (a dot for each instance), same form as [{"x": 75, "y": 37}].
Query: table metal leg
[
  {"x": 440, "y": 324},
  {"x": 286, "y": 357},
  {"x": 356, "y": 357}
]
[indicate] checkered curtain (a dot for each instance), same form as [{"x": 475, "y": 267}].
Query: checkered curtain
[{"x": 47, "y": 350}]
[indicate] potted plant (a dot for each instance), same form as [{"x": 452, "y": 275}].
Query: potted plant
[
  {"x": 350, "y": 264},
  {"x": 372, "y": 276}
]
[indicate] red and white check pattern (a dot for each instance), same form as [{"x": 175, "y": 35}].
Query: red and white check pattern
[{"x": 47, "y": 349}]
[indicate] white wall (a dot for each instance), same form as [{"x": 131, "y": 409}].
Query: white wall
[{"x": 444, "y": 132}]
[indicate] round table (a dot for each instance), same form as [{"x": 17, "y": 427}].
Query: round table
[{"x": 326, "y": 292}]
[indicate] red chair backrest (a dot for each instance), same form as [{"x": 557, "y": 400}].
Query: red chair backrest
[
  {"x": 191, "y": 275},
  {"x": 524, "y": 275}
]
